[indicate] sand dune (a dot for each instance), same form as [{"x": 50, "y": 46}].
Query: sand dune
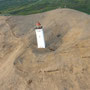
[{"x": 62, "y": 65}]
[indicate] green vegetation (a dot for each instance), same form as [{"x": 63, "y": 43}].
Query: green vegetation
[{"x": 25, "y": 7}]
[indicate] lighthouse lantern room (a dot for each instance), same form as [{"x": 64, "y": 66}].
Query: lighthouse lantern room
[{"x": 40, "y": 35}]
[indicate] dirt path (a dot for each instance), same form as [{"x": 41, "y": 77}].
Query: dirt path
[{"x": 8, "y": 66}]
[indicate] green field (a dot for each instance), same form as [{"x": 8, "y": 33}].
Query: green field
[{"x": 25, "y": 7}]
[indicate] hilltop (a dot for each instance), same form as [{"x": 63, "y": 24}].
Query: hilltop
[{"x": 63, "y": 65}]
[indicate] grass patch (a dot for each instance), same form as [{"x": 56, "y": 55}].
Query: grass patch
[{"x": 26, "y": 7}]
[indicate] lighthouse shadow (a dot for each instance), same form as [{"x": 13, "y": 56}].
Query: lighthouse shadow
[
  {"x": 54, "y": 43},
  {"x": 40, "y": 50}
]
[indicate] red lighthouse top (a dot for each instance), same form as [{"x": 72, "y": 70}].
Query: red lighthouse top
[{"x": 38, "y": 25}]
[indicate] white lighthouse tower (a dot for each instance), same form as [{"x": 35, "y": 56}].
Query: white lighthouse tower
[{"x": 40, "y": 36}]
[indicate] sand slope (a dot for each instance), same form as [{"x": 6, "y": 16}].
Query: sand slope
[{"x": 63, "y": 65}]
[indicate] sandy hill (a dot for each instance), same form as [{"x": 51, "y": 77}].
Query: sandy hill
[{"x": 63, "y": 65}]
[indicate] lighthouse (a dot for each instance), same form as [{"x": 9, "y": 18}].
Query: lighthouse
[{"x": 40, "y": 35}]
